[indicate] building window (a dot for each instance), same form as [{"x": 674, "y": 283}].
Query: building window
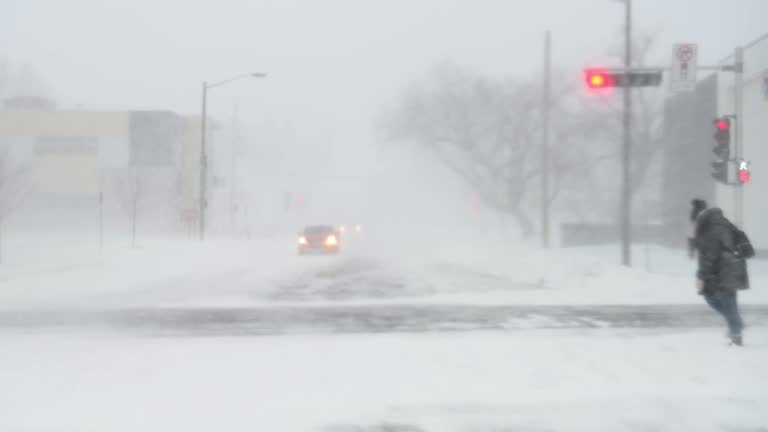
[{"x": 67, "y": 146}]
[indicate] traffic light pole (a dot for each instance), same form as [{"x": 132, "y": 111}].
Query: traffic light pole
[
  {"x": 629, "y": 78},
  {"x": 626, "y": 187},
  {"x": 545, "y": 113},
  {"x": 203, "y": 199},
  {"x": 233, "y": 168},
  {"x": 738, "y": 100}
]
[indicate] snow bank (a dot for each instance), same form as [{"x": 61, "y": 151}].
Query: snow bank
[
  {"x": 493, "y": 271},
  {"x": 156, "y": 266}
]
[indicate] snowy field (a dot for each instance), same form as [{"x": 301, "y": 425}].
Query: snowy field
[{"x": 537, "y": 380}]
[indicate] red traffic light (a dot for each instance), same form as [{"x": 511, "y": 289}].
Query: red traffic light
[
  {"x": 599, "y": 78},
  {"x": 722, "y": 124}
]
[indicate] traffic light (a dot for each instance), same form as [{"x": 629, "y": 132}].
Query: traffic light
[
  {"x": 722, "y": 149},
  {"x": 744, "y": 174},
  {"x": 604, "y": 78},
  {"x": 720, "y": 171},
  {"x": 599, "y": 78},
  {"x": 723, "y": 131}
]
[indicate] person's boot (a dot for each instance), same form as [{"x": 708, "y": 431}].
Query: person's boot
[{"x": 736, "y": 340}]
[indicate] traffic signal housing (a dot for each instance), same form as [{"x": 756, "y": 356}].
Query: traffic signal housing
[
  {"x": 722, "y": 149},
  {"x": 723, "y": 131},
  {"x": 720, "y": 171},
  {"x": 598, "y": 78}
]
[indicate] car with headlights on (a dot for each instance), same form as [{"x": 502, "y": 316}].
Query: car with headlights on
[{"x": 324, "y": 239}]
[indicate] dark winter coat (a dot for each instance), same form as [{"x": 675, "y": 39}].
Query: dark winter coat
[{"x": 719, "y": 268}]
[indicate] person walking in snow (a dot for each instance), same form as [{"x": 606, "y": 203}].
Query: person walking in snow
[{"x": 722, "y": 272}]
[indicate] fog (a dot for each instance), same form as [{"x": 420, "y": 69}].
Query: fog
[
  {"x": 334, "y": 69},
  {"x": 319, "y": 128},
  {"x": 453, "y": 288}
]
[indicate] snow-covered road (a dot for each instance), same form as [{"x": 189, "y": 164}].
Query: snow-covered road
[
  {"x": 470, "y": 338},
  {"x": 618, "y": 380},
  {"x": 381, "y": 318},
  {"x": 268, "y": 273}
]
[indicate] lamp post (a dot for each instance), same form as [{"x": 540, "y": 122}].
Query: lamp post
[
  {"x": 626, "y": 189},
  {"x": 625, "y": 213},
  {"x": 203, "y": 200}
]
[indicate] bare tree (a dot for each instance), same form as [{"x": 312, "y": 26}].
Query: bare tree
[
  {"x": 145, "y": 195},
  {"x": 20, "y": 80},
  {"x": 14, "y": 185},
  {"x": 479, "y": 129},
  {"x": 594, "y": 125},
  {"x": 486, "y": 131},
  {"x": 130, "y": 190},
  {"x": 4, "y": 77}
]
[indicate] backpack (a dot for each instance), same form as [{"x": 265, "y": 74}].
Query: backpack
[{"x": 742, "y": 247}]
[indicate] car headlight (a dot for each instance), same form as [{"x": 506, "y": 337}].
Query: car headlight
[
  {"x": 331, "y": 241},
  {"x": 302, "y": 240}
]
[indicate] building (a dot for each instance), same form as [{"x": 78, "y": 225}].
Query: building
[
  {"x": 74, "y": 159},
  {"x": 687, "y": 154},
  {"x": 755, "y": 136},
  {"x": 688, "y": 144}
]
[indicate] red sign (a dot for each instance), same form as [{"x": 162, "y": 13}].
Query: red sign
[
  {"x": 189, "y": 215},
  {"x": 685, "y": 53}
]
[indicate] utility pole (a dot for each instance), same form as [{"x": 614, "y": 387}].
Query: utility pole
[
  {"x": 203, "y": 137},
  {"x": 232, "y": 168},
  {"x": 626, "y": 187},
  {"x": 203, "y": 201},
  {"x": 136, "y": 195},
  {"x": 738, "y": 101},
  {"x": 545, "y": 112},
  {"x": 101, "y": 217}
]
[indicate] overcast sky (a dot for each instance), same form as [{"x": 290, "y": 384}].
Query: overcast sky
[{"x": 332, "y": 63}]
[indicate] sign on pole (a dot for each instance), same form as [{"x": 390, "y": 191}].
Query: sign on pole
[{"x": 685, "y": 59}]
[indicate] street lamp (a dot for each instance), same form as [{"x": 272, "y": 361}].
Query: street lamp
[
  {"x": 626, "y": 149},
  {"x": 203, "y": 204}
]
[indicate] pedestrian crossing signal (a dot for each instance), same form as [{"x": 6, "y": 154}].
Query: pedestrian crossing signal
[{"x": 744, "y": 173}]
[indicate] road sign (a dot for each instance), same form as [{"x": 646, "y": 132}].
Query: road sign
[
  {"x": 684, "y": 67},
  {"x": 189, "y": 215}
]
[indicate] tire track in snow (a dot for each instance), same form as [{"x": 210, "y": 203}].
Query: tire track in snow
[{"x": 371, "y": 319}]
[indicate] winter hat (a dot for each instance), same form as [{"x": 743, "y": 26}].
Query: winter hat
[{"x": 697, "y": 206}]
